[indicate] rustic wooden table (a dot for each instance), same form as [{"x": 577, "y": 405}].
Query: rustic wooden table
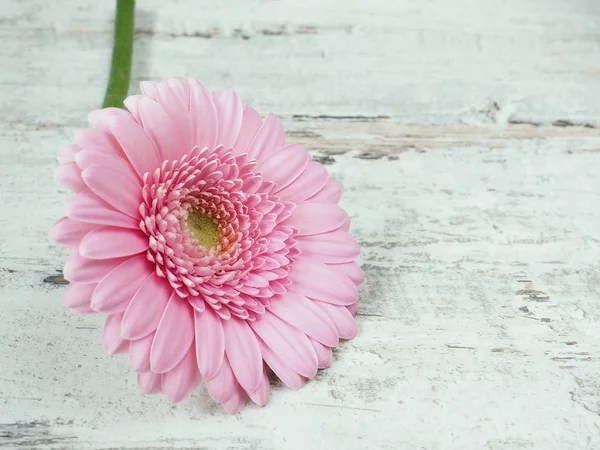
[{"x": 465, "y": 134}]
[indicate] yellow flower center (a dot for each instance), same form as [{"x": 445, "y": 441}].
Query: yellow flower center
[{"x": 204, "y": 230}]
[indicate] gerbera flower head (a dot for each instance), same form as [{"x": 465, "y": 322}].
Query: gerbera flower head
[{"x": 214, "y": 249}]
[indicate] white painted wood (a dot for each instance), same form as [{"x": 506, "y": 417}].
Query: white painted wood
[{"x": 479, "y": 320}]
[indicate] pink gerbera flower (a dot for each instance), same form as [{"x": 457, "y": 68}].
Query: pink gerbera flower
[{"x": 214, "y": 248}]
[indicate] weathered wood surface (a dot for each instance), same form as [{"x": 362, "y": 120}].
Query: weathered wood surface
[{"x": 464, "y": 134}]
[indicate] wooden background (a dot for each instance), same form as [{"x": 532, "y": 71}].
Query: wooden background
[{"x": 465, "y": 134}]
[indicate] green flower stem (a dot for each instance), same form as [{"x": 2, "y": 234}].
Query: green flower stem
[{"x": 120, "y": 68}]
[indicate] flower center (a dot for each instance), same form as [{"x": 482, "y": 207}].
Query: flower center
[{"x": 204, "y": 230}]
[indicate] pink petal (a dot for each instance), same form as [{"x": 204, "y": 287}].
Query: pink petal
[
  {"x": 99, "y": 118},
  {"x": 303, "y": 314},
  {"x": 98, "y": 141},
  {"x": 83, "y": 270},
  {"x": 269, "y": 138},
  {"x": 149, "y": 89},
  {"x": 146, "y": 307},
  {"x": 115, "y": 290},
  {"x": 311, "y": 181},
  {"x": 78, "y": 294},
  {"x": 179, "y": 382},
  {"x": 161, "y": 128},
  {"x": 67, "y": 154},
  {"x": 351, "y": 270},
  {"x": 229, "y": 112},
  {"x": 243, "y": 353},
  {"x": 320, "y": 282},
  {"x": 111, "y": 335},
  {"x": 353, "y": 308},
  {"x": 178, "y": 111},
  {"x": 181, "y": 89},
  {"x": 261, "y": 395},
  {"x": 251, "y": 123},
  {"x": 286, "y": 374},
  {"x": 342, "y": 319},
  {"x": 324, "y": 354},
  {"x": 210, "y": 342},
  {"x": 203, "y": 114},
  {"x": 68, "y": 232},
  {"x": 330, "y": 193},
  {"x": 137, "y": 145},
  {"x": 89, "y": 158},
  {"x": 223, "y": 385},
  {"x": 333, "y": 247},
  {"x": 236, "y": 402},
  {"x": 132, "y": 103},
  {"x": 150, "y": 383},
  {"x": 88, "y": 207},
  {"x": 291, "y": 345},
  {"x": 316, "y": 218},
  {"x": 285, "y": 165},
  {"x": 116, "y": 188},
  {"x": 139, "y": 352},
  {"x": 174, "y": 335},
  {"x": 69, "y": 175},
  {"x": 111, "y": 242}
]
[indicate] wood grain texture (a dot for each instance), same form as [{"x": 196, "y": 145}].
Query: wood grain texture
[{"x": 464, "y": 134}]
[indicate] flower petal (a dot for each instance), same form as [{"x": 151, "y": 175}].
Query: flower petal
[
  {"x": 132, "y": 103},
  {"x": 342, "y": 319},
  {"x": 320, "y": 282},
  {"x": 83, "y": 270},
  {"x": 136, "y": 144},
  {"x": 311, "y": 181},
  {"x": 78, "y": 294},
  {"x": 285, "y": 373},
  {"x": 150, "y": 383},
  {"x": 98, "y": 141},
  {"x": 351, "y": 270},
  {"x": 67, "y": 154},
  {"x": 236, "y": 402},
  {"x": 243, "y": 353},
  {"x": 316, "y": 218},
  {"x": 251, "y": 123},
  {"x": 116, "y": 188},
  {"x": 302, "y": 313},
  {"x": 99, "y": 117},
  {"x": 111, "y": 242},
  {"x": 88, "y": 207},
  {"x": 161, "y": 128},
  {"x": 330, "y": 193},
  {"x": 111, "y": 335},
  {"x": 89, "y": 158},
  {"x": 291, "y": 345},
  {"x": 69, "y": 232},
  {"x": 230, "y": 113},
  {"x": 204, "y": 117},
  {"x": 285, "y": 165},
  {"x": 115, "y": 290},
  {"x": 174, "y": 335},
  {"x": 146, "y": 307},
  {"x": 139, "y": 352},
  {"x": 69, "y": 175},
  {"x": 324, "y": 354},
  {"x": 222, "y": 386},
  {"x": 261, "y": 395},
  {"x": 179, "y": 382},
  {"x": 178, "y": 111},
  {"x": 210, "y": 342},
  {"x": 269, "y": 138},
  {"x": 333, "y": 247}
]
